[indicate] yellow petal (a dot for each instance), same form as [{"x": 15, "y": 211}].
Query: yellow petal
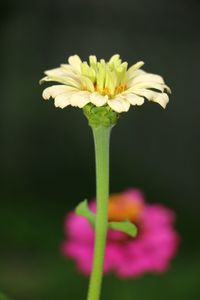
[
  {"x": 87, "y": 83},
  {"x": 88, "y": 71},
  {"x": 92, "y": 60},
  {"x": 135, "y": 67},
  {"x": 114, "y": 60}
]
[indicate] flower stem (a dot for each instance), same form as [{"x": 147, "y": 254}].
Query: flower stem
[{"x": 101, "y": 139}]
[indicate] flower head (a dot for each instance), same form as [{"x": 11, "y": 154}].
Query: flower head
[
  {"x": 151, "y": 251},
  {"x": 104, "y": 83}
]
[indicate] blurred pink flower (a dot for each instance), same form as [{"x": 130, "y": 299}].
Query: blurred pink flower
[{"x": 151, "y": 251}]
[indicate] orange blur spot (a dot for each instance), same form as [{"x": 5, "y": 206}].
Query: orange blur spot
[{"x": 121, "y": 208}]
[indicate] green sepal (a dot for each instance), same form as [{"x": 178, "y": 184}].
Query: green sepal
[
  {"x": 83, "y": 210},
  {"x": 100, "y": 116},
  {"x": 124, "y": 226}
]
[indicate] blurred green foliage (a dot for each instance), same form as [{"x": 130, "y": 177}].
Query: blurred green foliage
[{"x": 3, "y": 297}]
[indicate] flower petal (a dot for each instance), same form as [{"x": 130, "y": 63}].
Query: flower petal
[
  {"x": 119, "y": 104},
  {"x": 148, "y": 77},
  {"x": 62, "y": 100},
  {"x": 167, "y": 89},
  {"x": 147, "y": 85},
  {"x": 92, "y": 60},
  {"x": 54, "y": 75},
  {"x": 134, "y": 99},
  {"x": 75, "y": 62},
  {"x": 62, "y": 76},
  {"x": 161, "y": 98},
  {"x": 55, "y": 72},
  {"x": 87, "y": 83},
  {"x": 68, "y": 69},
  {"x": 131, "y": 75},
  {"x": 56, "y": 90},
  {"x": 80, "y": 99},
  {"x": 98, "y": 99},
  {"x": 135, "y": 67}
]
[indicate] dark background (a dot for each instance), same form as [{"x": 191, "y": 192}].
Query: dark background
[{"x": 47, "y": 159}]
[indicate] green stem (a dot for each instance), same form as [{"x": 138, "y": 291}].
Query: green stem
[{"x": 101, "y": 140}]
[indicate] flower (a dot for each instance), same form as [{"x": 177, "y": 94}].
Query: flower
[
  {"x": 103, "y": 83},
  {"x": 151, "y": 251}
]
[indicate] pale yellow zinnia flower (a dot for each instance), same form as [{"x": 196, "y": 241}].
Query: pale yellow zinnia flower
[{"x": 103, "y": 83}]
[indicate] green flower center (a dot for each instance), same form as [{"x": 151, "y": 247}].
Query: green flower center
[{"x": 107, "y": 78}]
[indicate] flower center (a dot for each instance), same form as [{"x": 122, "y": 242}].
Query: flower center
[
  {"x": 107, "y": 91},
  {"x": 122, "y": 208},
  {"x": 106, "y": 78}
]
